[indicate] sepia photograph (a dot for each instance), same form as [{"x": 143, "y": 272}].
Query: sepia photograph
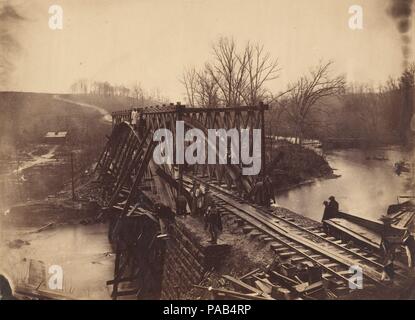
[{"x": 209, "y": 150}]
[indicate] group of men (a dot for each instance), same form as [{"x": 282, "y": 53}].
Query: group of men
[{"x": 202, "y": 204}]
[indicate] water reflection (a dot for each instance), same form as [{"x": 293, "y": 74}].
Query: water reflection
[
  {"x": 83, "y": 252},
  {"x": 366, "y": 187}
]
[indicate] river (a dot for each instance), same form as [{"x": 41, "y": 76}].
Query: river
[
  {"x": 81, "y": 251},
  {"x": 365, "y": 187}
]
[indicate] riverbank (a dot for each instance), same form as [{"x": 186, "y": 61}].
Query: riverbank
[
  {"x": 365, "y": 186},
  {"x": 294, "y": 165}
]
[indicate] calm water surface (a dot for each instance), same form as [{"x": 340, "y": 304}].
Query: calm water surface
[{"x": 365, "y": 187}]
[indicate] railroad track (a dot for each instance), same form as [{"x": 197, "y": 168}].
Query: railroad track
[{"x": 296, "y": 243}]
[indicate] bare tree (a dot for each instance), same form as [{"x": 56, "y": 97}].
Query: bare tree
[
  {"x": 201, "y": 88},
  {"x": 308, "y": 93},
  {"x": 138, "y": 94},
  {"x": 260, "y": 68},
  {"x": 80, "y": 86},
  {"x": 190, "y": 83},
  {"x": 228, "y": 71},
  {"x": 366, "y": 104},
  {"x": 233, "y": 77},
  {"x": 207, "y": 89}
]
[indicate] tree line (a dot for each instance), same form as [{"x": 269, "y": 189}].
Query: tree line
[
  {"x": 141, "y": 96},
  {"x": 319, "y": 104}
]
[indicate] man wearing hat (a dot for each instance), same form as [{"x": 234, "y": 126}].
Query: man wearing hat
[
  {"x": 213, "y": 222},
  {"x": 333, "y": 207}
]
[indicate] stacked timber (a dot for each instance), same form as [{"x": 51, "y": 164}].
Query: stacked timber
[{"x": 266, "y": 285}]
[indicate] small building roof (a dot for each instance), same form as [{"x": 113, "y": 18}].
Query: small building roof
[{"x": 56, "y": 134}]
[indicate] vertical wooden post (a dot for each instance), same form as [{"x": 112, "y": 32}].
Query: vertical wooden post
[
  {"x": 179, "y": 109},
  {"x": 263, "y": 163},
  {"x": 72, "y": 177}
]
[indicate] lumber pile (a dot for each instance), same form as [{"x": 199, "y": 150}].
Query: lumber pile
[{"x": 279, "y": 281}]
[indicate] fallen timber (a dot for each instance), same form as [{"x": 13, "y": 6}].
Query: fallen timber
[
  {"x": 364, "y": 231},
  {"x": 294, "y": 242},
  {"x": 368, "y": 232}
]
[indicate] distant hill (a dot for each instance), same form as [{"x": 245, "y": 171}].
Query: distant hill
[{"x": 26, "y": 117}]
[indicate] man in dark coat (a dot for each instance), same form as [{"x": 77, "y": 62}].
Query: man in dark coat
[
  {"x": 207, "y": 198},
  {"x": 181, "y": 205},
  {"x": 213, "y": 223},
  {"x": 333, "y": 207},
  {"x": 388, "y": 245},
  {"x": 166, "y": 217}
]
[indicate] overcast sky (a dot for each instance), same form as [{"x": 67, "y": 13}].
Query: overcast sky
[{"x": 151, "y": 41}]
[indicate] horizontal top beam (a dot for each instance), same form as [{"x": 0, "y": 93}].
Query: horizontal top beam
[{"x": 178, "y": 108}]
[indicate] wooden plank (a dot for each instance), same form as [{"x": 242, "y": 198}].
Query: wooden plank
[
  {"x": 41, "y": 294},
  {"x": 249, "y": 273},
  {"x": 263, "y": 287},
  {"x": 374, "y": 243},
  {"x": 242, "y": 284},
  {"x": 405, "y": 220},
  {"x": 250, "y": 296},
  {"x": 285, "y": 279}
]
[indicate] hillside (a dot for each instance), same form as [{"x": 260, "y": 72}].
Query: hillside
[{"x": 26, "y": 117}]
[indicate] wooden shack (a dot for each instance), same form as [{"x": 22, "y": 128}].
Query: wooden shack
[{"x": 56, "y": 137}]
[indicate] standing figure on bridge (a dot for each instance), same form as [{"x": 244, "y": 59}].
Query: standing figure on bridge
[
  {"x": 213, "y": 222},
  {"x": 258, "y": 192},
  {"x": 133, "y": 117},
  {"x": 197, "y": 199},
  {"x": 207, "y": 199}
]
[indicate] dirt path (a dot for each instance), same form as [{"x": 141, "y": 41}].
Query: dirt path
[
  {"x": 36, "y": 160},
  {"x": 44, "y": 158},
  {"x": 106, "y": 116}
]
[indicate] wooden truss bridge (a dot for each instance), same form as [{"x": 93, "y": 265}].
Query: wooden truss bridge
[{"x": 133, "y": 182}]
